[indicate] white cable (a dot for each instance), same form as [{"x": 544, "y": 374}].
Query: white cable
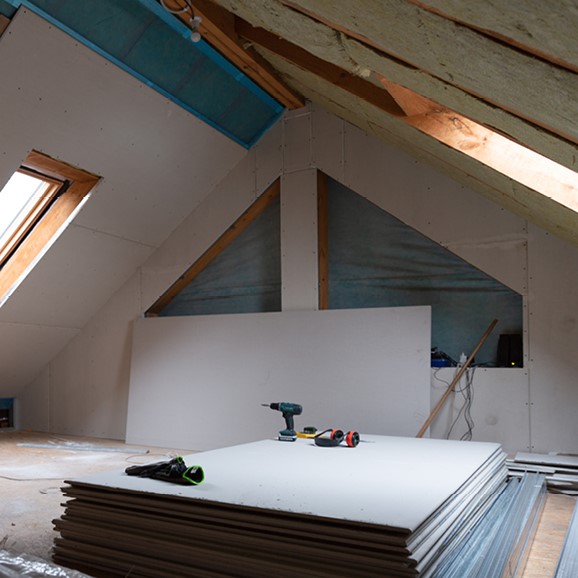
[{"x": 185, "y": 9}]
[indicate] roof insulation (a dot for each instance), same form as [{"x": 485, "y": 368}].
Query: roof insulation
[{"x": 151, "y": 44}]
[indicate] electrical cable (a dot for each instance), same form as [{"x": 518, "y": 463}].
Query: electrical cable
[
  {"x": 187, "y": 8},
  {"x": 468, "y": 394}
]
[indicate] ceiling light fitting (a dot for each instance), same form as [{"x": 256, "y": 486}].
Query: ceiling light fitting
[{"x": 194, "y": 23}]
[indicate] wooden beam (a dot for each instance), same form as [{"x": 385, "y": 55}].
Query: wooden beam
[
  {"x": 218, "y": 29},
  {"x": 499, "y": 74},
  {"x": 330, "y": 72},
  {"x": 4, "y": 21},
  {"x": 322, "y": 240},
  {"x": 497, "y": 187},
  {"x": 272, "y": 193},
  {"x": 411, "y": 102},
  {"x": 359, "y": 58},
  {"x": 456, "y": 379}
]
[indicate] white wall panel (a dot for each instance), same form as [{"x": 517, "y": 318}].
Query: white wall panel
[
  {"x": 34, "y": 403},
  {"x": 269, "y": 157},
  {"x": 299, "y": 260},
  {"x": 467, "y": 223},
  {"x": 89, "y": 379},
  {"x": 500, "y": 407},
  {"x": 297, "y": 154},
  {"x": 234, "y": 194},
  {"x": 68, "y": 283},
  {"x": 199, "y": 381},
  {"x": 157, "y": 162},
  {"x": 64, "y": 99},
  {"x": 328, "y": 141},
  {"x": 553, "y": 336},
  {"x": 25, "y": 350}
]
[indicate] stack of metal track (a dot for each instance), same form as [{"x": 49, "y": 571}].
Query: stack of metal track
[
  {"x": 500, "y": 543},
  {"x": 396, "y": 507},
  {"x": 561, "y": 471}
]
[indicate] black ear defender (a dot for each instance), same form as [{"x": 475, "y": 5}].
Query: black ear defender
[{"x": 336, "y": 436}]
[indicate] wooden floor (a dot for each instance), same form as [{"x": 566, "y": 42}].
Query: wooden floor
[
  {"x": 30, "y": 497},
  {"x": 550, "y": 536}
]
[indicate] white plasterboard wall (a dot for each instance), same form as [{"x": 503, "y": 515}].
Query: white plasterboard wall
[
  {"x": 63, "y": 99},
  {"x": 476, "y": 229},
  {"x": 500, "y": 408},
  {"x": 199, "y": 381}
]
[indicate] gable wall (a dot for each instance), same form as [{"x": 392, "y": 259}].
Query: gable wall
[{"x": 87, "y": 384}]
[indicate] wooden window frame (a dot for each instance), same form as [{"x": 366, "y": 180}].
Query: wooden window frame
[{"x": 70, "y": 186}]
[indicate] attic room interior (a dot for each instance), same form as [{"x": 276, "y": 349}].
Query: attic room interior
[{"x": 360, "y": 214}]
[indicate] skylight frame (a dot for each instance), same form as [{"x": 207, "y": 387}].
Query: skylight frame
[
  {"x": 32, "y": 216},
  {"x": 76, "y": 186}
]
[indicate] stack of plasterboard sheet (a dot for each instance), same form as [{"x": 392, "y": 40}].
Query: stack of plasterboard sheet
[
  {"x": 560, "y": 470},
  {"x": 391, "y": 506}
]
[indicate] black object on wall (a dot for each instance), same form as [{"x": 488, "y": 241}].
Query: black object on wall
[{"x": 510, "y": 351}]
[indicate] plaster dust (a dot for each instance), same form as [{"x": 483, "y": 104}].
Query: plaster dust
[{"x": 31, "y": 479}]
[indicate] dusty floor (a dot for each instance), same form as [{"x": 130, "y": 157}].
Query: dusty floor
[{"x": 31, "y": 478}]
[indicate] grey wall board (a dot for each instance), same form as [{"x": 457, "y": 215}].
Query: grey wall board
[{"x": 199, "y": 381}]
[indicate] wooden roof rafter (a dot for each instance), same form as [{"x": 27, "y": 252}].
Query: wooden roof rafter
[
  {"x": 250, "y": 214},
  {"x": 217, "y": 27}
]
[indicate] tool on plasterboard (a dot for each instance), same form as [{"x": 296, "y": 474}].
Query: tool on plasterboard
[
  {"x": 307, "y": 432},
  {"x": 288, "y": 410},
  {"x": 456, "y": 379},
  {"x": 175, "y": 471},
  {"x": 335, "y": 437}
]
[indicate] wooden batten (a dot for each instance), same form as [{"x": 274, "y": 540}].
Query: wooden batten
[
  {"x": 522, "y": 200},
  {"x": 322, "y": 240},
  {"x": 272, "y": 193},
  {"x": 330, "y": 72},
  {"x": 218, "y": 29}
]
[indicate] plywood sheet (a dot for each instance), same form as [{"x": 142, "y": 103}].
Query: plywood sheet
[{"x": 198, "y": 382}]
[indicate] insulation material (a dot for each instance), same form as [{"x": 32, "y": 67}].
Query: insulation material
[
  {"x": 375, "y": 260},
  {"x": 142, "y": 38},
  {"x": 391, "y": 506}
]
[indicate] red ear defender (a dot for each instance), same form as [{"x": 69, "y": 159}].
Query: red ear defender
[
  {"x": 352, "y": 439},
  {"x": 336, "y": 436}
]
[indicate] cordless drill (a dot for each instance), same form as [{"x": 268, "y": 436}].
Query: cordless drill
[{"x": 288, "y": 410}]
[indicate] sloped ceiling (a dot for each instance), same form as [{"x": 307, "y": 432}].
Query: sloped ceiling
[
  {"x": 391, "y": 67},
  {"x": 157, "y": 163}
]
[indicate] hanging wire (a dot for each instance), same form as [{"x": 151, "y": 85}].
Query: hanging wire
[
  {"x": 194, "y": 20},
  {"x": 187, "y": 8},
  {"x": 467, "y": 392}
]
